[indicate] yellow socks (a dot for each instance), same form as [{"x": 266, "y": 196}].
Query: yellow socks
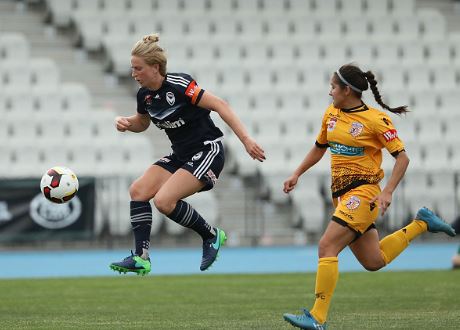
[
  {"x": 326, "y": 279},
  {"x": 392, "y": 245}
]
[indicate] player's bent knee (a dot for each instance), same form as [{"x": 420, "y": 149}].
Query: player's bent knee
[
  {"x": 137, "y": 193},
  {"x": 164, "y": 205},
  {"x": 375, "y": 266}
]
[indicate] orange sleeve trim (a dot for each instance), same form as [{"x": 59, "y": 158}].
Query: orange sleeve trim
[{"x": 193, "y": 91}]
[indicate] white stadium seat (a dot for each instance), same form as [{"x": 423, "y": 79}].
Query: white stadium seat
[
  {"x": 432, "y": 23},
  {"x": 377, "y": 8},
  {"x": 351, "y": 8},
  {"x": 15, "y": 73},
  {"x": 403, "y": 7},
  {"x": 14, "y": 46},
  {"x": 413, "y": 53},
  {"x": 76, "y": 97},
  {"x": 60, "y": 11},
  {"x": 44, "y": 73}
]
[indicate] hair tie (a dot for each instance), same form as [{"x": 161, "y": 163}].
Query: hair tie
[{"x": 356, "y": 89}]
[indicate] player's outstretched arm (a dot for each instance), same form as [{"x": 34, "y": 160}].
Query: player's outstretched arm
[
  {"x": 137, "y": 123},
  {"x": 214, "y": 103},
  {"x": 313, "y": 156}
]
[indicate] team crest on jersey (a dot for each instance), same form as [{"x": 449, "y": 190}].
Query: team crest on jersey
[
  {"x": 170, "y": 98},
  {"x": 331, "y": 124},
  {"x": 356, "y": 128},
  {"x": 197, "y": 156},
  {"x": 148, "y": 99},
  {"x": 353, "y": 203}
]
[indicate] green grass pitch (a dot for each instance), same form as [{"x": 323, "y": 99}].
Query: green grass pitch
[{"x": 383, "y": 300}]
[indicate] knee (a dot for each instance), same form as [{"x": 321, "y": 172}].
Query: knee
[
  {"x": 137, "y": 193},
  {"x": 374, "y": 266},
  {"x": 164, "y": 205}
]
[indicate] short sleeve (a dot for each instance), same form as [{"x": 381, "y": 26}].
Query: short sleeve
[
  {"x": 187, "y": 86},
  {"x": 321, "y": 139},
  {"x": 387, "y": 134}
]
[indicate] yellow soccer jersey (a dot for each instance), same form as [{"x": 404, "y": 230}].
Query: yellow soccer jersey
[{"x": 356, "y": 137}]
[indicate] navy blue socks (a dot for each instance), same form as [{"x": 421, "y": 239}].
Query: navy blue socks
[
  {"x": 141, "y": 221},
  {"x": 185, "y": 215}
]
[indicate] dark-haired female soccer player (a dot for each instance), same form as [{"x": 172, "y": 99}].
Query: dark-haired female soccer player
[
  {"x": 356, "y": 135},
  {"x": 175, "y": 103}
]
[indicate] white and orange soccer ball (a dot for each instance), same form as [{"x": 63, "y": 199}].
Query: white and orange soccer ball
[{"x": 59, "y": 184}]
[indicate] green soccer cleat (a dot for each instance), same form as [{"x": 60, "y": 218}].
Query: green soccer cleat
[
  {"x": 304, "y": 321},
  {"x": 434, "y": 223},
  {"x": 211, "y": 249},
  {"x": 132, "y": 263}
]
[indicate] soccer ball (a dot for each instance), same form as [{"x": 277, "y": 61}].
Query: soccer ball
[{"x": 59, "y": 184}]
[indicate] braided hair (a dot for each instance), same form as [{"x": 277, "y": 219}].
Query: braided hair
[{"x": 352, "y": 76}]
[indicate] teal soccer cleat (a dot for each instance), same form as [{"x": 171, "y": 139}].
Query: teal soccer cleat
[
  {"x": 304, "y": 321},
  {"x": 434, "y": 223},
  {"x": 211, "y": 249},
  {"x": 132, "y": 263}
]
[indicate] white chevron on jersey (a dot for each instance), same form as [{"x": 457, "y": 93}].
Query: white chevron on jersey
[{"x": 176, "y": 80}]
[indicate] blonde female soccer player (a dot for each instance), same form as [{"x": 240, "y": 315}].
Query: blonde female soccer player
[
  {"x": 175, "y": 103},
  {"x": 356, "y": 135}
]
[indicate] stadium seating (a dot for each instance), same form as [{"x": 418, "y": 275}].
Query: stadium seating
[
  {"x": 52, "y": 113},
  {"x": 272, "y": 60}
]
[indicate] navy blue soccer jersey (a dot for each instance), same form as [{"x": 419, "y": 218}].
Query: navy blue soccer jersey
[{"x": 174, "y": 108}]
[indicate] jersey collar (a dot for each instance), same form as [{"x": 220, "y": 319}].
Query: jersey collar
[{"x": 359, "y": 108}]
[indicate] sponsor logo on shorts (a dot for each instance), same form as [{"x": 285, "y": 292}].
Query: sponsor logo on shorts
[
  {"x": 164, "y": 160},
  {"x": 353, "y": 203},
  {"x": 356, "y": 129},
  {"x": 190, "y": 164},
  {"x": 211, "y": 176},
  {"x": 349, "y": 216},
  {"x": 390, "y": 135},
  {"x": 197, "y": 155}
]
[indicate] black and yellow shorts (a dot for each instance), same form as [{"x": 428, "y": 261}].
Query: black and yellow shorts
[{"x": 354, "y": 210}]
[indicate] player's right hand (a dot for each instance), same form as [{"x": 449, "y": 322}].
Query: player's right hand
[
  {"x": 122, "y": 123},
  {"x": 290, "y": 183}
]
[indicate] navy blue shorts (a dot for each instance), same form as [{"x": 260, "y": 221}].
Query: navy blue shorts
[{"x": 205, "y": 165}]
